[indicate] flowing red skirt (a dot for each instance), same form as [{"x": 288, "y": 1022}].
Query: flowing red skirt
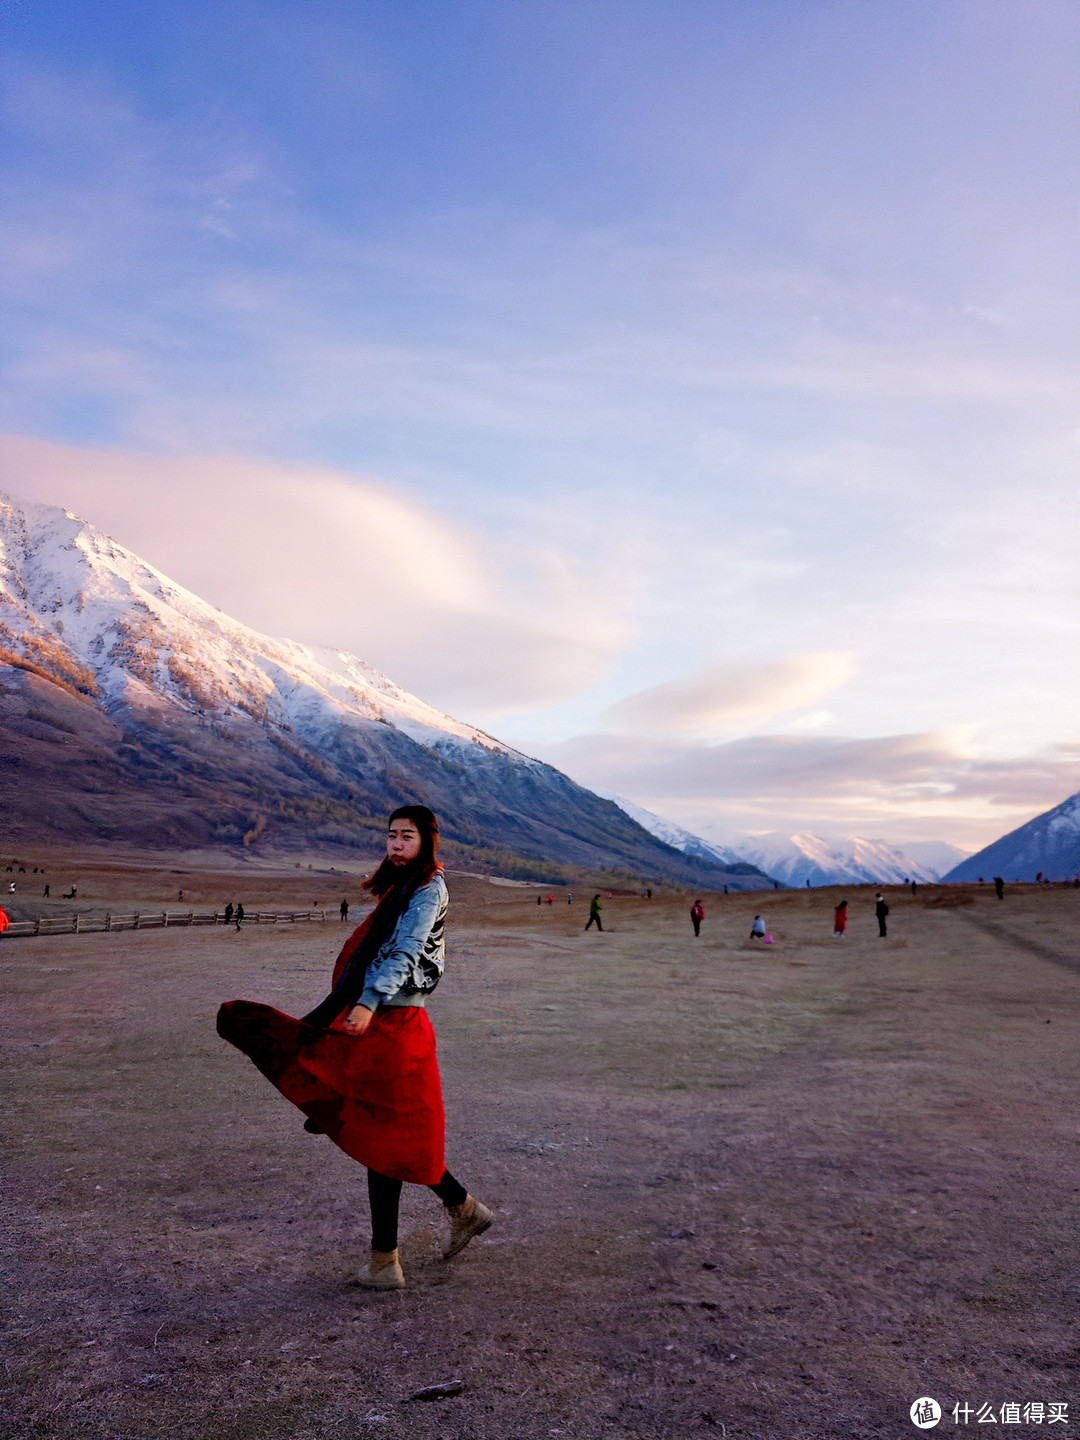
[{"x": 376, "y": 1095}]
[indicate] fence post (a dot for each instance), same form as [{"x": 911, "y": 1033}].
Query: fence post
[
  {"x": 37, "y": 926},
  {"x": 75, "y": 923},
  {"x": 135, "y": 925},
  {"x": 108, "y": 922}
]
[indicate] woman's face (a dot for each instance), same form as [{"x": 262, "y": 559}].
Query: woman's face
[{"x": 402, "y": 842}]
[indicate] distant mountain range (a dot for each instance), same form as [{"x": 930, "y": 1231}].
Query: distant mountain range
[
  {"x": 820, "y": 860},
  {"x": 798, "y": 859},
  {"x": 1049, "y": 844},
  {"x": 133, "y": 712}
]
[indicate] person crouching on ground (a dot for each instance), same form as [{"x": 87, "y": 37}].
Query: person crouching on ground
[
  {"x": 757, "y": 929},
  {"x": 839, "y": 918},
  {"x": 362, "y": 1064}
]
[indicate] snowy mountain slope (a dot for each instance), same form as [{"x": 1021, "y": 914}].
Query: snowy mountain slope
[
  {"x": 672, "y": 834},
  {"x": 797, "y": 859},
  {"x": 131, "y": 709},
  {"x": 73, "y": 598},
  {"x": 1050, "y": 843}
]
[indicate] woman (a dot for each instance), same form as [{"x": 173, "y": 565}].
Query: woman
[
  {"x": 362, "y": 1065},
  {"x": 839, "y": 920}
]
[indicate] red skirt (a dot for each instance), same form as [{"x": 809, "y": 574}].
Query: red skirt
[{"x": 376, "y": 1095}]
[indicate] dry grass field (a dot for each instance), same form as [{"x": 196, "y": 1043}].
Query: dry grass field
[{"x": 771, "y": 1192}]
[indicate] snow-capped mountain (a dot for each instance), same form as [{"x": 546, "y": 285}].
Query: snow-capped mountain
[
  {"x": 796, "y": 859},
  {"x": 820, "y": 860},
  {"x": 1050, "y": 843},
  {"x": 672, "y": 834},
  {"x": 98, "y": 616},
  {"x": 133, "y": 711}
]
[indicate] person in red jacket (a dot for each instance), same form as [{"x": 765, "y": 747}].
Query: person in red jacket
[
  {"x": 697, "y": 914},
  {"x": 4, "y": 921},
  {"x": 839, "y": 920}
]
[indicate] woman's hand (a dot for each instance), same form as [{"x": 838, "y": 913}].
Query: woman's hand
[{"x": 358, "y": 1019}]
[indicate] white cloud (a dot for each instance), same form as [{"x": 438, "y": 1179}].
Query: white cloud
[
  {"x": 724, "y": 694},
  {"x": 324, "y": 557},
  {"x": 901, "y": 787}
]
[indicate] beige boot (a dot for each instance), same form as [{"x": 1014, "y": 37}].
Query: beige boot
[
  {"x": 382, "y": 1272},
  {"x": 466, "y": 1220}
]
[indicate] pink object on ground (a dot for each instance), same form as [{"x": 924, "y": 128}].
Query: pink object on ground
[{"x": 768, "y": 940}]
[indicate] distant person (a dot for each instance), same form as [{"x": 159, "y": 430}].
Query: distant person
[
  {"x": 344, "y": 909},
  {"x": 45, "y": 894},
  {"x": 839, "y": 920},
  {"x": 569, "y": 898},
  {"x": 11, "y": 888},
  {"x": 4, "y": 921},
  {"x": 881, "y": 910},
  {"x": 551, "y": 899},
  {"x": 539, "y": 899},
  {"x": 757, "y": 929},
  {"x": 999, "y": 887},
  {"x": 595, "y": 907},
  {"x": 239, "y": 917},
  {"x": 180, "y": 896},
  {"x": 229, "y": 913},
  {"x": 914, "y": 888},
  {"x": 725, "y": 890},
  {"x": 776, "y": 884},
  {"x": 648, "y": 893},
  {"x": 697, "y": 914}
]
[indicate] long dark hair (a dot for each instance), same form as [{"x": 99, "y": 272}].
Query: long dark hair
[
  {"x": 417, "y": 872},
  {"x": 393, "y": 886}
]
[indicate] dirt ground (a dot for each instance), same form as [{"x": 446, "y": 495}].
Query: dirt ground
[{"x": 773, "y": 1192}]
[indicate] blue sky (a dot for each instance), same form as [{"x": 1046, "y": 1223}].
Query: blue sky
[{"x": 709, "y": 370}]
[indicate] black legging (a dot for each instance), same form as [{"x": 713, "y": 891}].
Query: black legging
[{"x": 385, "y": 1196}]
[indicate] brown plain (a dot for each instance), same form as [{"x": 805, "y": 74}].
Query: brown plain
[{"x": 773, "y": 1192}]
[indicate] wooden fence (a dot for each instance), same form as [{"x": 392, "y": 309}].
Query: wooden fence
[{"x": 80, "y": 924}]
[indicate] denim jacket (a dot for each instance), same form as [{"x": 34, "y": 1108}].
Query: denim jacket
[{"x": 410, "y": 964}]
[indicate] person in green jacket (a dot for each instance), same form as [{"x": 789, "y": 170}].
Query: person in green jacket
[{"x": 594, "y": 913}]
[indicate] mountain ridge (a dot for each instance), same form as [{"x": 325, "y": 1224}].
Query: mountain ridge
[
  {"x": 138, "y": 710},
  {"x": 794, "y": 859},
  {"x": 1049, "y": 844}
]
